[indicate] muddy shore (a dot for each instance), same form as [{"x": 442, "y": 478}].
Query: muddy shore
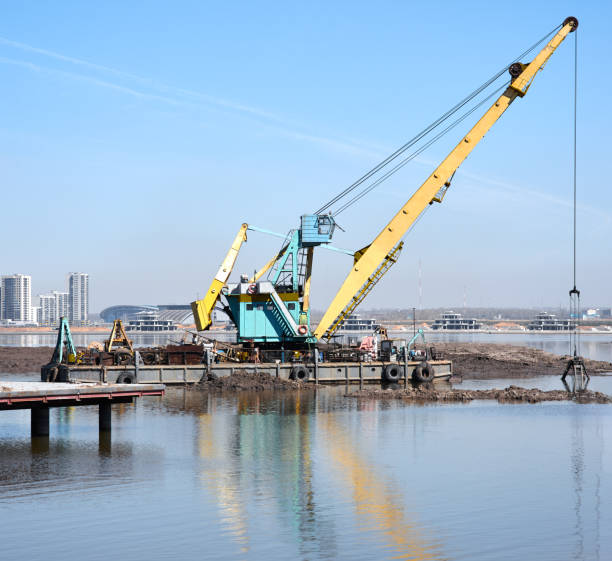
[
  {"x": 511, "y": 394},
  {"x": 481, "y": 361},
  {"x": 22, "y": 360}
]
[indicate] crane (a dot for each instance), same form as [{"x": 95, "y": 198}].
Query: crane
[{"x": 277, "y": 311}]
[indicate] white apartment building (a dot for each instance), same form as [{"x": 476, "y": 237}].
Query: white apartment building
[
  {"x": 78, "y": 298},
  {"x": 16, "y": 298},
  {"x": 53, "y": 306}
]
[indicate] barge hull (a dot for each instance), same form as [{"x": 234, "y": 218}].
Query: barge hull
[{"x": 321, "y": 373}]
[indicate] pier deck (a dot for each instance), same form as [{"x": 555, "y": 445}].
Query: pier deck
[{"x": 40, "y": 396}]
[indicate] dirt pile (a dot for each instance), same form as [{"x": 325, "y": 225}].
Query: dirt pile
[
  {"x": 248, "y": 381},
  {"x": 490, "y": 360},
  {"x": 23, "y": 359},
  {"x": 511, "y": 394}
]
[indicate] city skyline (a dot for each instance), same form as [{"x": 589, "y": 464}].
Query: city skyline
[{"x": 17, "y": 305}]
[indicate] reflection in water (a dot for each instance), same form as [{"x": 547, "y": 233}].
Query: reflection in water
[
  {"x": 581, "y": 490},
  {"x": 41, "y": 466},
  {"x": 263, "y": 456},
  {"x": 577, "y": 460},
  {"x": 377, "y": 505},
  {"x": 265, "y": 453},
  {"x": 221, "y": 477}
]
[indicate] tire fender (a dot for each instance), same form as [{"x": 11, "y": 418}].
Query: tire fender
[
  {"x": 299, "y": 373},
  {"x": 392, "y": 373},
  {"x": 424, "y": 372}
]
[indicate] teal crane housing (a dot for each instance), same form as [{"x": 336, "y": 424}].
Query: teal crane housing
[{"x": 277, "y": 310}]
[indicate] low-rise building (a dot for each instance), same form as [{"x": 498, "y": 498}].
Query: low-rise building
[
  {"x": 549, "y": 322},
  {"x": 452, "y": 321}
]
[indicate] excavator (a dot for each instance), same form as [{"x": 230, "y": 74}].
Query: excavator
[{"x": 274, "y": 311}]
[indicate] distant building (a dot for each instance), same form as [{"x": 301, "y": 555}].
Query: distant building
[
  {"x": 178, "y": 313},
  {"x": 596, "y": 313},
  {"x": 549, "y": 322},
  {"x": 16, "y": 298},
  {"x": 36, "y": 314},
  {"x": 354, "y": 322},
  {"x": 452, "y": 321},
  {"x": 149, "y": 321},
  {"x": 78, "y": 298},
  {"x": 53, "y": 306}
]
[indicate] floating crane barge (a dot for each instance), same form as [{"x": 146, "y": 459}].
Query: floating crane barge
[
  {"x": 272, "y": 313},
  {"x": 317, "y": 373}
]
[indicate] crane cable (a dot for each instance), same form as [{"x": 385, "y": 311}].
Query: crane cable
[
  {"x": 430, "y": 128},
  {"x": 414, "y": 154},
  {"x": 575, "y": 293},
  {"x": 575, "y": 136}
]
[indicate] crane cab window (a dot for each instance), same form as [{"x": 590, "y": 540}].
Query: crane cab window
[{"x": 325, "y": 224}]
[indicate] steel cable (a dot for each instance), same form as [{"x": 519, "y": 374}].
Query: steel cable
[
  {"x": 411, "y": 157},
  {"x": 430, "y": 128}
]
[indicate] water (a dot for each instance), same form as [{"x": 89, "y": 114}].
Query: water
[
  {"x": 84, "y": 339},
  {"x": 310, "y": 477},
  {"x": 596, "y": 346}
]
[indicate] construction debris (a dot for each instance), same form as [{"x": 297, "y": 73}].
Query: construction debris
[
  {"x": 511, "y": 394},
  {"x": 249, "y": 381}
]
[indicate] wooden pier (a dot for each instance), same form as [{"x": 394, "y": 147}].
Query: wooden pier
[{"x": 39, "y": 397}]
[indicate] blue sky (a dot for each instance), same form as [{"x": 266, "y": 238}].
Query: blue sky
[{"x": 135, "y": 138}]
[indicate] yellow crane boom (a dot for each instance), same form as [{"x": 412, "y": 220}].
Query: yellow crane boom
[
  {"x": 394, "y": 231},
  {"x": 202, "y": 309}
]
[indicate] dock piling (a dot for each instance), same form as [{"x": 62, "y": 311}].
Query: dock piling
[
  {"x": 39, "y": 421},
  {"x": 104, "y": 416}
]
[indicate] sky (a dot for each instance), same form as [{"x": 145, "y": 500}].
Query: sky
[{"x": 136, "y": 138}]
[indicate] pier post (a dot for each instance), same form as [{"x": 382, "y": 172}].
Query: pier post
[
  {"x": 104, "y": 416},
  {"x": 104, "y": 443},
  {"x": 39, "y": 421}
]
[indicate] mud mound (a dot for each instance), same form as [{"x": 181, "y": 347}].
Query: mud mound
[
  {"x": 247, "y": 381},
  {"x": 23, "y": 359},
  {"x": 511, "y": 394},
  {"x": 490, "y": 360}
]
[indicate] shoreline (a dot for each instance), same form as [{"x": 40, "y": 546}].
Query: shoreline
[
  {"x": 471, "y": 361},
  {"x": 407, "y": 331}
]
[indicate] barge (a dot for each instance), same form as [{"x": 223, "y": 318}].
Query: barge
[{"x": 315, "y": 373}]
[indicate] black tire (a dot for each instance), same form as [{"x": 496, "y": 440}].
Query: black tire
[
  {"x": 63, "y": 374},
  {"x": 48, "y": 373},
  {"x": 299, "y": 373},
  {"x": 123, "y": 357},
  {"x": 424, "y": 372},
  {"x": 392, "y": 373},
  {"x": 126, "y": 378},
  {"x": 148, "y": 358}
]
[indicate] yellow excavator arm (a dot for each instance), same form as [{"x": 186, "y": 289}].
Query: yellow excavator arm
[
  {"x": 394, "y": 231},
  {"x": 202, "y": 309}
]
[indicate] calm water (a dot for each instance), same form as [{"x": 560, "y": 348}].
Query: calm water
[{"x": 193, "y": 476}]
